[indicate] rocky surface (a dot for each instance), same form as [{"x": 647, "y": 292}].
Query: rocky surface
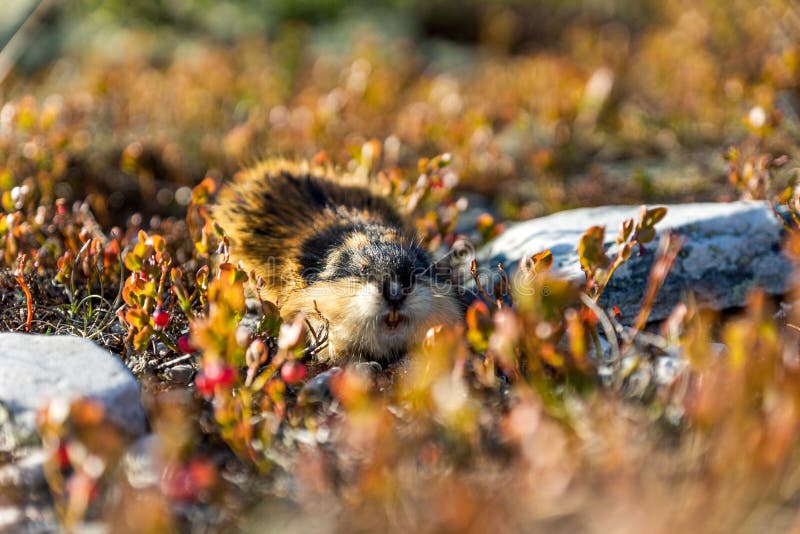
[
  {"x": 729, "y": 249},
  {"x": 36, "y": 369},
  {"x": 25, "y": 501}
]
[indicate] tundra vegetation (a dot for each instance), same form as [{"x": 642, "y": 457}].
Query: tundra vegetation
[{"x": 118, "y": 123}]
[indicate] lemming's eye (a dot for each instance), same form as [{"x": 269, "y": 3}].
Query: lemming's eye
[{"x": 364, "y": 270}]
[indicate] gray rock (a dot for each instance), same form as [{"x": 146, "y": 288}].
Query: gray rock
[
  {"x": 36, "y": 369},
  {"x": 26, "y": 504},
  {"x": 25, "y": 474},
  {"x": 180, "y": 374},
  {"x": 729, "y": 249}
]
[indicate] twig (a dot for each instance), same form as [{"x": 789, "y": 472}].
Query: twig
[
  {"x": 164, "y": 338},
  {"x": 506, "y": 283},
  {"x": 668, "y": 250},
  {"x": 20, "y": 276},
  {"x": 320, "y": 341},
  {"x": 170, "y": 363},
  {"x": 473, "y": 270},
  {"x": 416, "y": 195},
  {"x": 311, "y": 331},
  {"x": 605, "y": 322}
]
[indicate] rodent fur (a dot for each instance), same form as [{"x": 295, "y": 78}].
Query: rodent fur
[{"x": 340, "y": 254}]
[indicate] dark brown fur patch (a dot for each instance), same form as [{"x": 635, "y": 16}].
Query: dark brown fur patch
[{"x": 284, "y": 218}]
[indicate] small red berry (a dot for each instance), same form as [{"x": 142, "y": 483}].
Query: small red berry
[
  {"x": 203, "y": 473},
  {"x": 204, "y": 385},
  {"x": 215, "y": 375},
  {"x": 293, "y": 372},
  {"x": 223, "y": 375},
  {"x": 61, "y": 456},
  {"x": 184, "y": 345},
  {"x": 176, "y": 483},
  {"x": 160, "y": 318}
]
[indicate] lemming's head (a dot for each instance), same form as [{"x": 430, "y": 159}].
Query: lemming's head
[{"x": 379, "y": 291}]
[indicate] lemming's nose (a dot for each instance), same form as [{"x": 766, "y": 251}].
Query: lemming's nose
[{"x": 393, "y": 292}]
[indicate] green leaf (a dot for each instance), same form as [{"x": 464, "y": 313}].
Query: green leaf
[
  {"x": 625, "y": 251},
  {"x": 203, "y": 191},
  {"x": 651, "y": 217},
  {"x": 542, "y": 261},
  {"x": 133, "y": 261},
  {"x": 591, "y": 251},
  {"x": 137, "y": 318},
  {"x": 645, "y": 235},
  {"x": 625, "y": 230},
  {"x": 479, "y": 326},
  {"x": 142, "y": 338}
]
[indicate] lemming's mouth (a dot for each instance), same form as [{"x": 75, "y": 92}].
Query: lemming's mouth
[{"x": 393, "y": 319}]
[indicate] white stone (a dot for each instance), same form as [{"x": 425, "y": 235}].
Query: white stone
[
  {"x": 35, "y": 369},
  {"x": 729, "y": 249}
]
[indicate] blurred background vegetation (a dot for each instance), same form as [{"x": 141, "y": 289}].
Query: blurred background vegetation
[
  {"x": 123, "y": 107},
  {"x": 544, "y": 105}
]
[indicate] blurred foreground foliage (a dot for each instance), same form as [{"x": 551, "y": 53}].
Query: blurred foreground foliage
[{"x": 522, "y": 418}]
